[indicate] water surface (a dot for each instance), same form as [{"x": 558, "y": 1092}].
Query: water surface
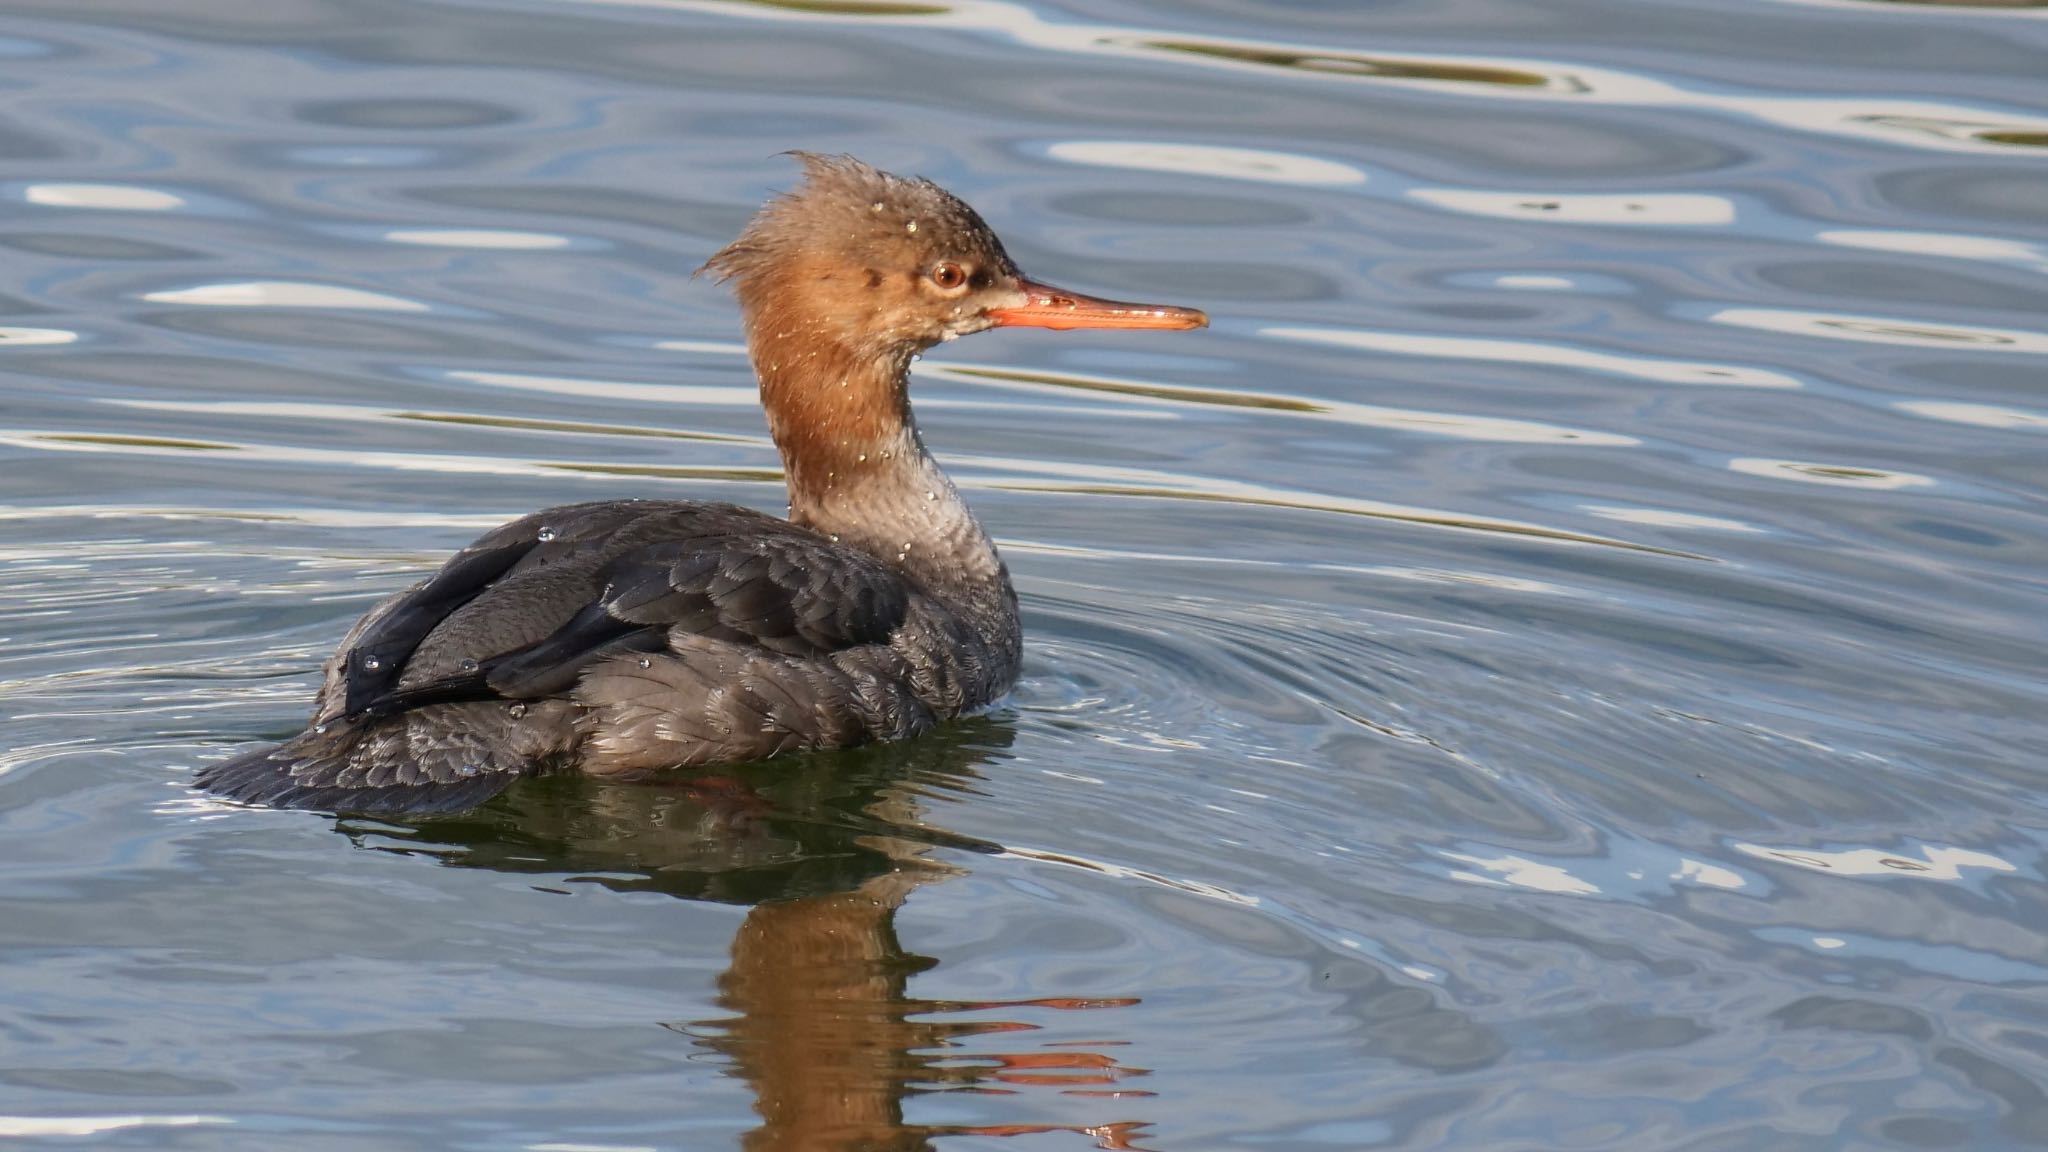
[{"x": 1557, "y": 665}]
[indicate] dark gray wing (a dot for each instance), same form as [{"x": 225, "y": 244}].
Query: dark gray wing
[
  {"x": 448, "y": 692},
  {"x": 784, "y": 591}
]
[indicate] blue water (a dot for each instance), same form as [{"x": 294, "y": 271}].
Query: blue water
[{"x": 1559, "y": 664}]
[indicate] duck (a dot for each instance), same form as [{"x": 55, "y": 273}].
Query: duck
[{"x": 630, "y": 638}]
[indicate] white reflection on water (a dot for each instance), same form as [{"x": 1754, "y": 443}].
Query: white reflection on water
[
  {"x": 31, "y": 1126},
  {"x": 476, "y": 238},
  {"x": 1884, "y": 330},
  {"x": 26, "y": 336},
  {"x": 1980, "y": 415},
  {"x": 708, "y": 347},
  {"x": 614, "y": 389},
  {"x": 315, "y": 516},
  {"x": 1840, "y": 475},
  {"x": 1663, "y": 209},
  {"x": 115, "y": 197},
  {"x": 1632, "y": 870},
  {"x": 1236, "y": 163},
  {"x": 1521, "y": 872},
  {"x": 1919, "y": 8},
  {"x": 284, "y": 294},
  {"x": 1666, "y": 518},
  {"x": 1535, "y": 283},
  {"x": 1530, "y": 352},
  {"x": 1951, "y": 244},
  {"x": 1711, "y": 875},
  {"x": 1934, "y": 863}
]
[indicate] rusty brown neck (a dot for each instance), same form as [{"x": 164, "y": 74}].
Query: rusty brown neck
[{"x": 857, "y": 468}]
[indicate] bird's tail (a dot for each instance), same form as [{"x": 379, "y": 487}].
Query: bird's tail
[{"x": 443, "y": 758}]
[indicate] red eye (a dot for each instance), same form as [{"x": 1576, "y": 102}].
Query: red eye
[{"x": 948, "y": 276}]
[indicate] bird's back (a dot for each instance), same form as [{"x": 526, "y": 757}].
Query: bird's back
[{"x": 619, "y": 638}]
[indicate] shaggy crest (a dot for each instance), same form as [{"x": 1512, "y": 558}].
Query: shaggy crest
[{"x": 848, "y": 214}]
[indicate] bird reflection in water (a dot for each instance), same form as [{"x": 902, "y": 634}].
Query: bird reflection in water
[{"x": 823, "y": 850}]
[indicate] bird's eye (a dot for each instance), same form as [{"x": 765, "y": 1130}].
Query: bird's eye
[{"x": 948, "y": 276}]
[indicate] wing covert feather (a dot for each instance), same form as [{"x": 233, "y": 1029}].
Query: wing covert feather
[{"x": 715, "y": 572}]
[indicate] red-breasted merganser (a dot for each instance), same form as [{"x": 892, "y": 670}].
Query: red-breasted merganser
[{"x": 624, "y": 637}]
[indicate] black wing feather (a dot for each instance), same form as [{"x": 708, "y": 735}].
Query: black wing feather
[{"x": 373, "y": 666}]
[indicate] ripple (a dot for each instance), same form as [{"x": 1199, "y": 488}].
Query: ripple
[
  {"x": 1442, "y": 576},
  {"x": 147, "y": 445},
  {"x": 360, "y": 156},
  {"x": 1903, "y": 122},
  {"x": 1332, "y": 62},
  {"x": 110, "y": 197},
  {"x": 1975, "y": 965},
  {"x": 1201, "y": 160},
  {"x": 1530, "y": 352},
  {"x": 1123, "y": 872},
  {"x": 285, "y": 294},
  {"x": 867, "y": 8},
  {"x": 405, "y": 114},
  {"x": 359, "y": 414},
  {"x": 1841, "y": 475},
  {"x": 1028, "y": 475},
  {"x": 1884, "y": 330},
  {"x": 21, "y": 48},
  {"x": 314, "y": 517},
  {"x": 1099, "y": 480},
  {"x": 118, "y": 440},
  {"x": 1460, "y": 426}
]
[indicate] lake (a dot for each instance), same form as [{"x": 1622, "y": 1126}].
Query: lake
[{"x": 1560, "y": 664}]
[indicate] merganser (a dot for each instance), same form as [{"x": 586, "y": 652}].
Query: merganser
[{"x": 624, "y": 637}]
